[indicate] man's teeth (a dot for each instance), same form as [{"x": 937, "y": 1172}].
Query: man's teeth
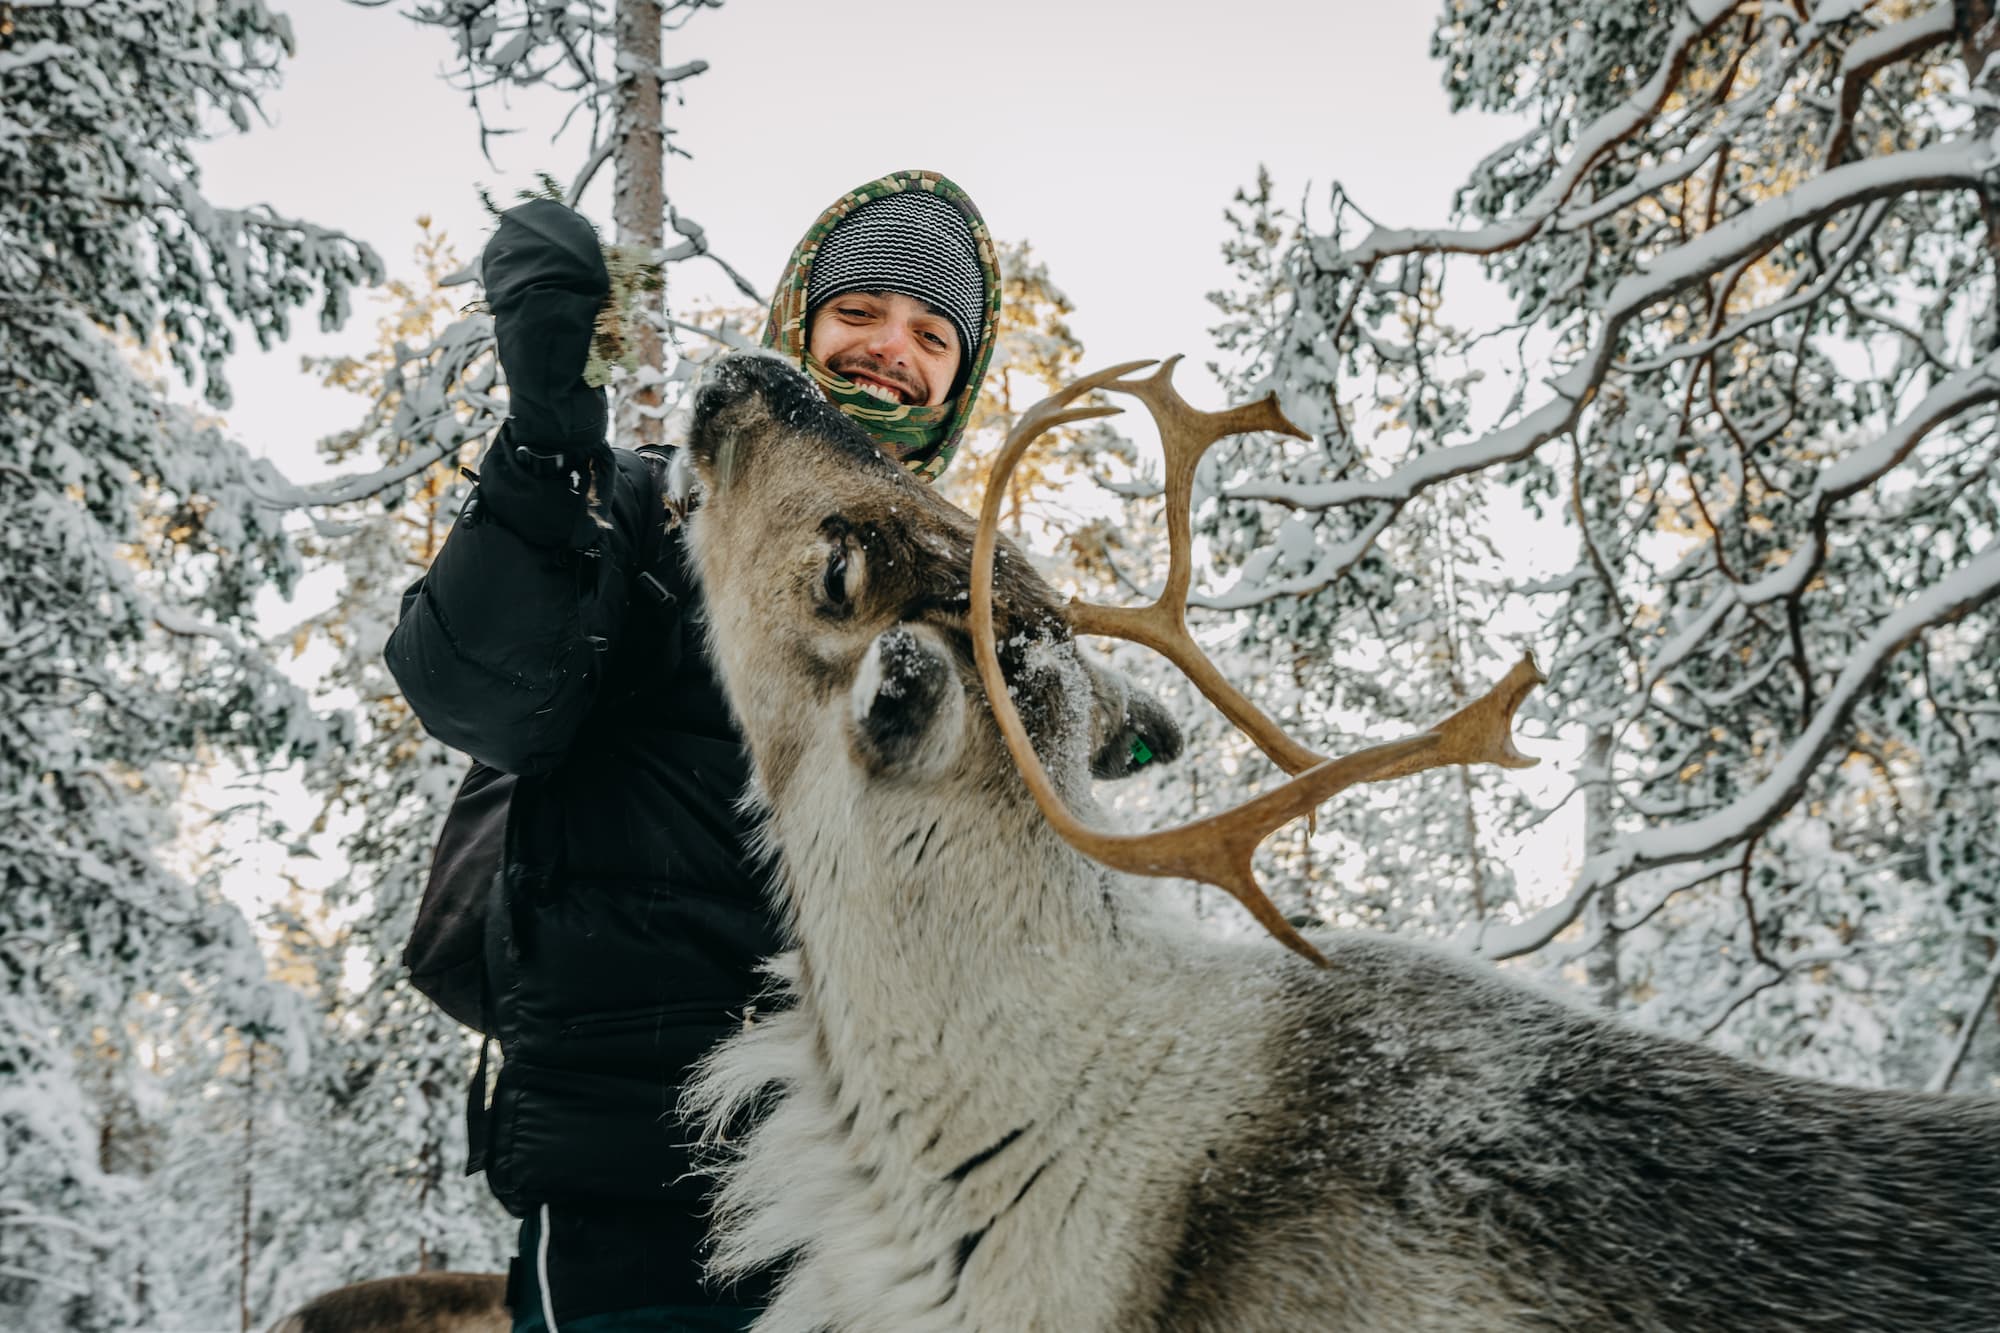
[{"x": 882, "y": 391}]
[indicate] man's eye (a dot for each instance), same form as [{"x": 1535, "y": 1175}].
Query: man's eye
[
  {"x": 851, "y": 312},
  {"x": 937, "y": 340}
]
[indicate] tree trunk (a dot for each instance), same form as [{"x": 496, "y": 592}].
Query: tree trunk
[
  {"x": 1978, "y": 30},
  {"x": 639, "y": 205},
  {"x": 249, "y": 1180},
  {"x": 1601, "y": 967},
  {"x": 1475, "y": 862},
  {"x": 430, "y": 1175}
]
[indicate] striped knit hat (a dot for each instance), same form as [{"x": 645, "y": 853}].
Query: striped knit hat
[{"x": 913, "y": 243}]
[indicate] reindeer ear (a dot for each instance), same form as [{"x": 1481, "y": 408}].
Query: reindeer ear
[{"x": 1129, "y": 728}]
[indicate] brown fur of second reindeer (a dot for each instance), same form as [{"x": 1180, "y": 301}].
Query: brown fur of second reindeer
[{"x": 411, "y": 1303}]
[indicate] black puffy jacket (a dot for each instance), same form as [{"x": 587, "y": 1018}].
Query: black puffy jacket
[{"x": 634, "y": 918}]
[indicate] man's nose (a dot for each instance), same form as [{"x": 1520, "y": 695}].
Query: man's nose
[{"x": 890, "y": 340}]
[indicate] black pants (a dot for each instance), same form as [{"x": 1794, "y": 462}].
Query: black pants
[{"x": 613, "y": 1269}]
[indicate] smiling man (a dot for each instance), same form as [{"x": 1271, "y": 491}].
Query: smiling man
[
  {"x": 557, "y": 638},
  {"x": 895, "y": 348},
  {"x": 889, "y": 303}
]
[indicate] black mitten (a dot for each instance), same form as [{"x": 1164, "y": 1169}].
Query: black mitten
[{"x": 545, "y": 282}]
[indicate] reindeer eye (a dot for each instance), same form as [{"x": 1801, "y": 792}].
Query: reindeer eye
[{"x": 834, "y": 582}]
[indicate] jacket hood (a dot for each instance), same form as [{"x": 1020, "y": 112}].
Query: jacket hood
[{"x": 915, "y": 435}]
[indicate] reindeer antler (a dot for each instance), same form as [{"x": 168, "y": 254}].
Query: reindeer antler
[{"x": 1218, "y": 849}]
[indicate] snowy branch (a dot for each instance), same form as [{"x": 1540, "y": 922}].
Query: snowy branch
[
  {"x": 1873, "y": 53},
  {"x": 1949, "y": 599},
  {"x": 23, "y": 1215},
  {"x": 59, "y": 1283},
  {"x": 1968, "y": 1027},
  {"x": 1697, "y": 19},
  {"x": 1958, "y": 164},
  {"x": 273, "y": 488},
  {"x": 176, "y": 621},
  {"x": 1770, "y": 973},
  {"x": 592, "y": 164},
  {"x": 1968, "y": 388},
  {"x": 1800, "y": 298},
  {"x": 1513, "y": 939},
  {"x": 1973, "y": 585},
  {"x": 1733, "y": 242},
  {"x": 1976, "y": 384}
]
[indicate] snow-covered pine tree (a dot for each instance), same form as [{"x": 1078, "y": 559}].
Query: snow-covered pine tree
[
  {"x": 1751, "y": 255},
  {"x": 1397, "y": 640},
  {"x": 387, "y": 1096},
  {"x": 133, "y": 544}
]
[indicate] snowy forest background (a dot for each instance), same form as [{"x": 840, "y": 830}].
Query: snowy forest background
[{"x": 1693, "y": 394}]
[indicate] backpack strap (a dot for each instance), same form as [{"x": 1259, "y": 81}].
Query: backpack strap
[
  {"x": 478, "y": 1113},
  {"x": 653, "y": 536}
]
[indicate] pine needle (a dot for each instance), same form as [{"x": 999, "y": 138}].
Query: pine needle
[
  {"x": 614, "y": 342},
  {"x": 614, "y": 339}
]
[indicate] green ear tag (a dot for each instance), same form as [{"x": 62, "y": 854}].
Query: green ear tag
[{"x": 1140, "y": 754}]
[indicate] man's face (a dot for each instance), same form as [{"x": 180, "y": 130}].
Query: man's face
[{"x": 891, "y": 345}]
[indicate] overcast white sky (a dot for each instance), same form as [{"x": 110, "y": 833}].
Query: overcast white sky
[{"x": 1110, "y": 135}]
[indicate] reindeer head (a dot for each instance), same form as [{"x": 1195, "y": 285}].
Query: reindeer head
[
  {"x": 838, "y": 589},
  {"x": 836, "y": 580}
]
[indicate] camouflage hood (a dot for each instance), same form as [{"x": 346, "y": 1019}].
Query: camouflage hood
[{"x": 923, "y": 439}]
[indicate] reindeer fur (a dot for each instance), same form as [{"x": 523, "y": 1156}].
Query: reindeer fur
[
  {"x": 411, "y": 1303},
  {"x": 1009, "y": 1095}
]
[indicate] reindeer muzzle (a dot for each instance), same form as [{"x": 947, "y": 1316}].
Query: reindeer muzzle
[{"x": 749, "y": 397}]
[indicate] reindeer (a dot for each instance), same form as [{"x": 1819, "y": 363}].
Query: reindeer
[
  {"x": 435, "y": 1302},
  {"x": 1009, "y": 1094}
]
